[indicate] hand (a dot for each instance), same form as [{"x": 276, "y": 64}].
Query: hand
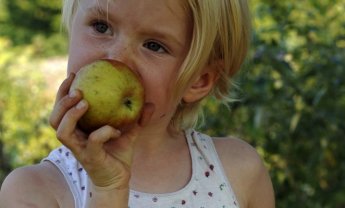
[{"x": 106, "y": 154}]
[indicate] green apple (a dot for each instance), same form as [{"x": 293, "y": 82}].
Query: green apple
[{"x": 114, "y": 93}]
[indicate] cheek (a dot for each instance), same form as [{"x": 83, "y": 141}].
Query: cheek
[
  {"x": 160, "y": 93},
  {"x": 76, "y": 54},
  {"x": 80, "y": 54},
  {"x": 82, "y": 50}
]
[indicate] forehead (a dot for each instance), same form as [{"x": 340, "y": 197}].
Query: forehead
[{"x": 178, "y": 8}]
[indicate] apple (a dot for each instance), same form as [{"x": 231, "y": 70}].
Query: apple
[{"x": 114, "y": 93}]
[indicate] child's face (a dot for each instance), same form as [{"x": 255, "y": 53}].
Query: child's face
[{"x": 151, "y": 36}]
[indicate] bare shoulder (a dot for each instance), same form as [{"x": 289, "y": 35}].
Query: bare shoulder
[
  {"x": 38, "y": 185},
  {"x": 246, "y": 172}
]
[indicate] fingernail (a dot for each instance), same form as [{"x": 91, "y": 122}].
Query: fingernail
[
  {"x": 72, "y": 94},
  {"x": 118, "y": 132},
  {"x": 81, "y": 104}
]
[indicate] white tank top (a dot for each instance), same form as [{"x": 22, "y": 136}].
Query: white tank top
[{"x": 207, "y": 188}]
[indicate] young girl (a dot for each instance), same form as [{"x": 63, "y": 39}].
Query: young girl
[{"x": 183, "y": 50}]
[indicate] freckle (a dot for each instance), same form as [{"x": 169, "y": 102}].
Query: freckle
[
  {"x": 211, "y": 167},
  {"x": 207, "y": 174},
  {"x": 90, "y": 194}
]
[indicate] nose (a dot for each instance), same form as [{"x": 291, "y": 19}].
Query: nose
[{"x": 120, "y": 50}]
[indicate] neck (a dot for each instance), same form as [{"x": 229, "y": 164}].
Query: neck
[
  {"x": 152, "y": 141},
  {"x": 156, "y": 158}
]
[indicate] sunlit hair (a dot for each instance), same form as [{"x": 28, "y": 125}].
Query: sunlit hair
[{"x": 221, "y": 35}]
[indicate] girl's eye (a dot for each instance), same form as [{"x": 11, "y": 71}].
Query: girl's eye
[
  {"x": 101, "y": 27},
  {"x": 154, "y": 46}
]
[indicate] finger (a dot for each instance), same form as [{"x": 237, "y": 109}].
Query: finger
[
  {"x": 66, "y": 131},
  {"x": 129, "y": 137},
  {"x": 99, "y": 137},
  {"x": 64, "y": 87},
  {"x": 63, "y": 106},
  {"x": 115, "y": 143},
  {"x": 147, "y": 113}
]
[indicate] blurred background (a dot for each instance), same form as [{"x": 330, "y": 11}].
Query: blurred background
[{"x": 291, "y": 93}]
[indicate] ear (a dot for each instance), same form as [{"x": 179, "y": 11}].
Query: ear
[{"x": 202, "y": 85}]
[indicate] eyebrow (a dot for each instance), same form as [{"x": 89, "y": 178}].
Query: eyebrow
[{"x": 97, "y": 10}]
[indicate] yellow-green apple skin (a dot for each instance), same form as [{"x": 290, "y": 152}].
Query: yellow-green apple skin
[{"x": 114, "y": 93}]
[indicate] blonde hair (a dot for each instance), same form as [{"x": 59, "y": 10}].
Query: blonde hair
[{"x": 221, "y": 34}]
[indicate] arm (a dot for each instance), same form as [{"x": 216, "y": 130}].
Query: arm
[
  {"x": 262, "y": 194},
  {"x": 246, "y": 173},
  {"x": 105, "y": 154},
  {"x": 25, "y": 187}
]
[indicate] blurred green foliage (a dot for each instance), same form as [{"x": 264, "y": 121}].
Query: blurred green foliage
[
  {"x": 21, "y": 20},
  {"x": 25, "y": 136},
  {"x": 34, "y": 22},
  {"x": 292, "y": 92},
  {"x": 29, "y": 31},
  {"x": 293, "y": 100}
]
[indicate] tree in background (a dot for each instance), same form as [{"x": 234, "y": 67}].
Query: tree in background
[
  {"x": 291, "y": 91},
  {"x": 35, "y": 22},
  {"x": 25, "y": 105},
  {"x": 22, "y": 20},
  {"x": 293, "y": 100},
  {"x": 29, "y": 30}
]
